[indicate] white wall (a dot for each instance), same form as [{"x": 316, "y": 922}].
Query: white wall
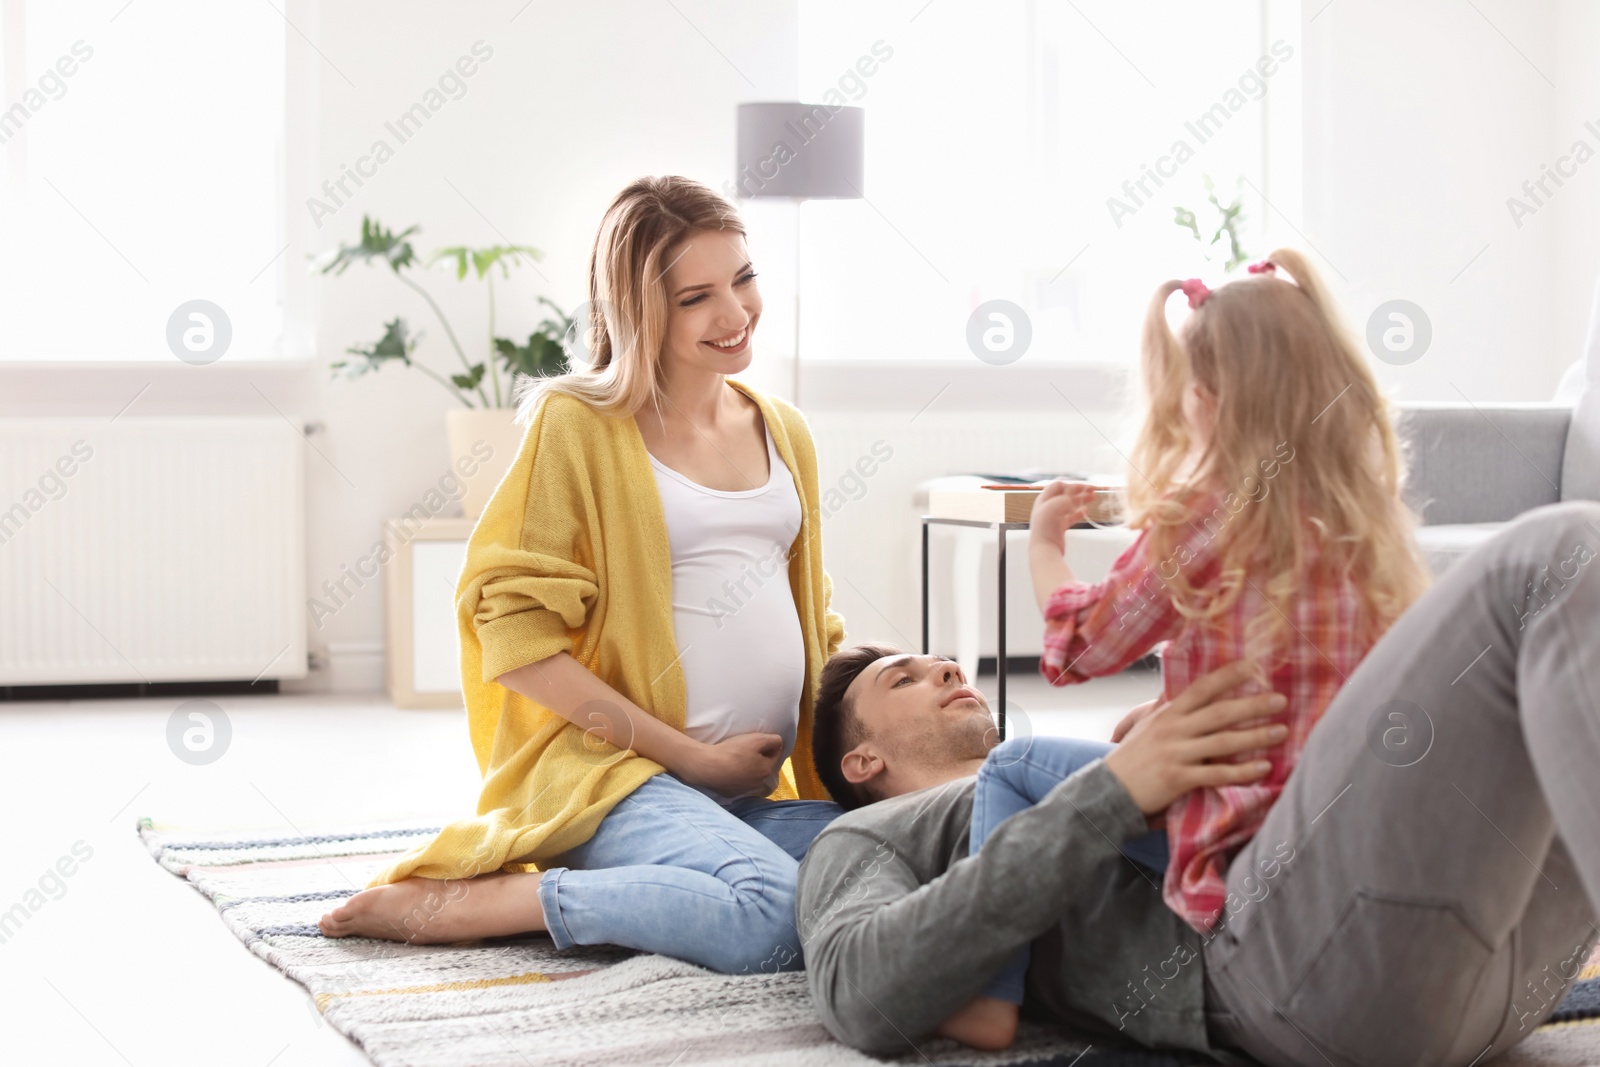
[
  {"x": 1420, "y": 120},
  {"x": 1575, "y": 217}
]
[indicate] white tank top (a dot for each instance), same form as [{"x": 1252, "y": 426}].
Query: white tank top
[{"x": 733, "y": 613}]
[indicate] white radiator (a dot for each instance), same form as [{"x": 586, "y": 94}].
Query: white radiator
[{"x": 151, "y": 550}]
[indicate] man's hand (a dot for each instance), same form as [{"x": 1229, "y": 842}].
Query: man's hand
[
  {"x": 1131, "y": 719},
  {"x": 1060, "y": 505},
  {"x": 739, "y": 766},
  {"x": 1168, "y": 752}
]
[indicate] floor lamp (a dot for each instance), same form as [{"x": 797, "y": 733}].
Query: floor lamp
[{"x": 795, "y": 151}]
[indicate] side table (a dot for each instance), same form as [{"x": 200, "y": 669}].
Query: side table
[{"x": 1000, "y": 529}]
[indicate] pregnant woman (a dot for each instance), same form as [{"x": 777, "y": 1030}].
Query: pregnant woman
[{"x": 643, "y": 617}]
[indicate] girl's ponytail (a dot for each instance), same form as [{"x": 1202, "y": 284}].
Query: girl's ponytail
[
  {"x": 1304, "y": 275},
  {"x": 1164, "y": 371}
]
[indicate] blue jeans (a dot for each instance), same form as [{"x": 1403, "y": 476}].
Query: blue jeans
[
  {"x": 672, "y": 871},
  {"x": 1015, "y": 776}
]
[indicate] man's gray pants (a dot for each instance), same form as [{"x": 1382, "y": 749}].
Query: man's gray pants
[{"x": 1444, "y": 824}]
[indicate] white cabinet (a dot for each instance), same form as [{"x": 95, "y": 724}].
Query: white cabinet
[{"x": 423, "y": 644}]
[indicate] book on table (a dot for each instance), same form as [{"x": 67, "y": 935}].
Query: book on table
[{"x": 1013, "y": 501}]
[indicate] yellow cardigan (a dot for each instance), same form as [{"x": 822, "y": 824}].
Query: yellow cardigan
[{"x": 571, "y": 554}]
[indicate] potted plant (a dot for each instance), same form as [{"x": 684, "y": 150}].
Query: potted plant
[
  {"x": 483, "y": 387},
  {"x": 1223, "y": 241}
]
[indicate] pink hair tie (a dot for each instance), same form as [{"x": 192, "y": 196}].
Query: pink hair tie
[
  {"x": 1196, "y": 291},
  {"x": 1266, "y": 266}
]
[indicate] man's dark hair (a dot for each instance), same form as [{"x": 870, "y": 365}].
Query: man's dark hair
[{"x": 835, "y": 729}]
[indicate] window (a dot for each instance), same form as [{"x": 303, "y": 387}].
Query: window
[
  {"x": 142, "y": 168},
  {"x": 1028, "y": 151}
]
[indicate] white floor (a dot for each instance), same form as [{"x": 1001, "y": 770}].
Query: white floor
[{"x": 123, "y": 964}]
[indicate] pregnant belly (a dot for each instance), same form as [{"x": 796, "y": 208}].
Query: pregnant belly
[{"x": 744, "y": 670}]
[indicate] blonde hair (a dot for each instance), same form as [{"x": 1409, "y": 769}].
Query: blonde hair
[
  {"x": 626, "y": 316},
  {"x": 1284, "y": 374}
]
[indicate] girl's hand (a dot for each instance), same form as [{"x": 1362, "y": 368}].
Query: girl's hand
[
  {"x": 739, "y": 766},
  {"x": 1130, "y": 720},
  {"x": 1061, "y": 504}
]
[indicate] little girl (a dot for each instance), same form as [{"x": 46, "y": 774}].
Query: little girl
[{"x": 1265, "y": 485}]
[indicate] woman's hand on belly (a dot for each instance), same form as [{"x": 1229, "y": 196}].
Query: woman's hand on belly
[
  {"x": 742, "y": 765},
  {"x": 738, "y": 766}
]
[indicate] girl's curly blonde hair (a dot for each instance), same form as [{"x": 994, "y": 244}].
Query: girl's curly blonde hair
[{"x": 1287, "y": 381}]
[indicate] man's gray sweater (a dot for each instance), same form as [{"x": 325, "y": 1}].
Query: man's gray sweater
[{"x": 901, "y": 927}]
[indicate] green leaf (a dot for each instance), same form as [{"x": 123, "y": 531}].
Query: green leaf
[
  {"x": 484, "y": 259},
  {"x": 457, "y": 252},
  {"x": 376, "y": 244},
  {"x": 1230, "y": 220},
  {"x": 540, "y": 357},
  {"x": 469, "y": 381},
  {"x": 545, "y": 352},
  {"x": 397, "y": 343},
  {"x": 559, "y": 327},
  {"x": 1185, "y": 218}
]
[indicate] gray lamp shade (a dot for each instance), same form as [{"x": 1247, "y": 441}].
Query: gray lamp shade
[{"x": 800, "y": 151}]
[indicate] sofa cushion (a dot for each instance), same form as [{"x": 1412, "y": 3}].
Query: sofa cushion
[
  {"x": 1444, "y": 545},
  {"x": 1477, "y": 463}
]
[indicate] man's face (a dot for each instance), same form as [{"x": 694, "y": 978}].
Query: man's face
[{"x": 920, "y": 710}]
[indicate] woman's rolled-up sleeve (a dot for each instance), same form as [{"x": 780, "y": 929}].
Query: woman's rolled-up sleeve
[
  {"x": 528, "y": 582},
  {"x": 528, "y": 608}
]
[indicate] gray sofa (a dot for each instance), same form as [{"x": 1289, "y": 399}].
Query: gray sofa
[{"x": 1473, "y": 468}]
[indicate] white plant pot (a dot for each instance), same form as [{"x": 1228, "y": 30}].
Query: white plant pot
[{"x": 483, "y": 442}]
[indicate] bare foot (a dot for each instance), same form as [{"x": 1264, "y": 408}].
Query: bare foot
[
  {"x": 984, "y": 1023},
  {"x": 427, "y": 911}
]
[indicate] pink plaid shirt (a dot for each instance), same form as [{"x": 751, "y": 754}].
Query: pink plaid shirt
[{"x": 1095, "y": 630}]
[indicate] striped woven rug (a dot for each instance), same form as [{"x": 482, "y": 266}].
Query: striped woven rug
[{"x": 515, "y": 1002}]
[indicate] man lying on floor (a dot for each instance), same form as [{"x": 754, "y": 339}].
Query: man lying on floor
[{"x": 1430, "y": 909}]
